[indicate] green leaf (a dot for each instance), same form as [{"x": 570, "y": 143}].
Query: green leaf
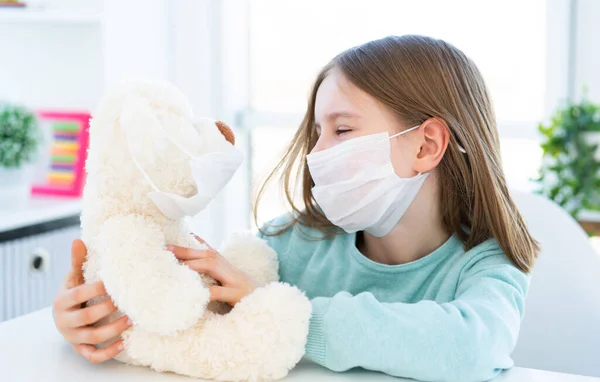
[
  {"x": 20, "y": 135},
  {"x": 568, "y": 159}
]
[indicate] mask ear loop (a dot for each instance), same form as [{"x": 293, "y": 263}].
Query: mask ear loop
[
  {"x": 141, "y": 169},
  {"x": 174, "y": 141},
  {"x": 405, "y": 131},
  {"x": 137, "y": 164},
  {"x": 460, "y": 148},
  {"x": 124, "y": 118}
]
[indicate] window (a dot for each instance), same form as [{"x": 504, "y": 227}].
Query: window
[
  {"x": 268, "y": 144},
  {"x": 291, "y": 40}
]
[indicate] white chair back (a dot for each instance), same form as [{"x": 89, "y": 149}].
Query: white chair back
[{"x": 561, "y": 328}]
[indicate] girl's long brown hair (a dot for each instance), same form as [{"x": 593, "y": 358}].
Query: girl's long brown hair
[{"x": 419, "y": 78}]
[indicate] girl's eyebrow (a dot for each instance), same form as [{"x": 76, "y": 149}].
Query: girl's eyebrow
[
  {"x": 341, "y": 114},
  {"x": 337, "y": 114}
]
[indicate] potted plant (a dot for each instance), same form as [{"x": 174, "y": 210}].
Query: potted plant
[
  {"x": 570, "y": 171},
  {"x": 20, "y": 137}
]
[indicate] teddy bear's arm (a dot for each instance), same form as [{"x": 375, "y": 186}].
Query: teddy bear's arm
[
  {"x": 145, "y": 280},
  {"x": 261, "y": 339},
  {"x": 252, "y": 255}
]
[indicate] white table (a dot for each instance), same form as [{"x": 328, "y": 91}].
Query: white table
[
  {"x": 32, "y": 350},
  {"x": 37, "y": 210}
]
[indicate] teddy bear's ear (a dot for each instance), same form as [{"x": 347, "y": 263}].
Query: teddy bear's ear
[{"x": 226, "y": 131}]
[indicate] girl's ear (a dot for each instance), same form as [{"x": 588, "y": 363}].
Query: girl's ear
[{"x": 434, "y": 142}]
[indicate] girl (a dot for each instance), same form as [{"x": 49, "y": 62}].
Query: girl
[{"x": 407, "y": 239}]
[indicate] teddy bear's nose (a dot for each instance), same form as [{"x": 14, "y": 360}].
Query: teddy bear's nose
[{"x": 226, "y": 131}]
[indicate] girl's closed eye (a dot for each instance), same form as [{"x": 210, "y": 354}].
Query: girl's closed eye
[{"x": 342, "y": 129}]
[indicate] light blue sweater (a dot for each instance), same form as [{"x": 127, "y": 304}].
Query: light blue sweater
[{"x": 449, "y": 316}]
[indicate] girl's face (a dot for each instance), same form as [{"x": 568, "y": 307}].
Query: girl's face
[{"x": 343, "y": 111}]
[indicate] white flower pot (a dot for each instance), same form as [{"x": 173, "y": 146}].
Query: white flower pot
[{"x": 15, "y": 187}]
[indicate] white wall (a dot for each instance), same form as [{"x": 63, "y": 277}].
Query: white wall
[
  {"x": 135, "y": 39},
  {"x": 587, "y": 47},
  {"x": 29, "y": 73},
  {"x": 65, "y": 54},
  {"x": 558, "y": 21},
  {"x": 51, "y": 63}
]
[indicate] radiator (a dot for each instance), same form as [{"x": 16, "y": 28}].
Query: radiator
[{"x": 32, "y": 268}]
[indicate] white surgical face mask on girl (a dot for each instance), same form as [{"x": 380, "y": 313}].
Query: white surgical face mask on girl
[{"x": 356, "y": 185}]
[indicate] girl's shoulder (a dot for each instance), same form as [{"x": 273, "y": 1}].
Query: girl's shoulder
[
  {"x": 488, "y": 252},
  {"x": 488, "y": 260},
  {"x": 284, "y": 233}
]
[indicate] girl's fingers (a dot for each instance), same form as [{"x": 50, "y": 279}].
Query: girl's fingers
[
  {"x": 75, "y": 275},
  {"x": 201, "y": 241},
  {"x": 225, "y": 294},
  {"x": 182, "y": 253},
  {"x": 100, "y": 334},
  {"x": 78, "y": 295},
  {"x": 212, "y": 267},
  {"x": 89, "y": 315},
  {"x": 95, "y": 355},
  {"x": 78, "y": 254}
]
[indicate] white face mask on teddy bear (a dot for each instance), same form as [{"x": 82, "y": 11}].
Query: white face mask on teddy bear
[{"x": 211, "y": 173}]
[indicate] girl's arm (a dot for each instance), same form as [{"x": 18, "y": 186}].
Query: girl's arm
[{"x": 468, "y": 339}]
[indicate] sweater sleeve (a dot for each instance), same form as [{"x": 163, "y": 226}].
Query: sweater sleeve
[{"x": 467, "y": 339}]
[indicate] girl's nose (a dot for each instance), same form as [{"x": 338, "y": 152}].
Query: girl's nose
[{"x": 323, "y": 143}]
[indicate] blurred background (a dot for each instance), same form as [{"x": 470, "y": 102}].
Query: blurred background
[{"x": 251, "y": 63}]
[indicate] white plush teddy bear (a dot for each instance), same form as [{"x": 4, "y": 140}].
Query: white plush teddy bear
[{"x": 148, "y": 167}]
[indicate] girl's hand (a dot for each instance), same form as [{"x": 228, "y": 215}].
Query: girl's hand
[
  {"x": 75, "y": 322},
  {"x": 234, "y": 284}
]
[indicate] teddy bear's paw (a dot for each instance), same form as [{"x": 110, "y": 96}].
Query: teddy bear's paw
[
  {"x": 272, "y": 326},
  {"x": 252, "y": 255},
  {"x": 171, "y": 307},
  {"x": 142, "y": 348}
]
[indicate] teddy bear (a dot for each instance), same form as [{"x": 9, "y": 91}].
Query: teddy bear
[{"x": 151, "y": 165}]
